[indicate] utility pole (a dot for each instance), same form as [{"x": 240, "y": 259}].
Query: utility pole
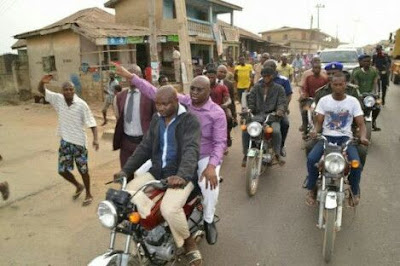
[
  {"x": 311, "y": 34},
  {"x": 184, "y": 45},
  {"x": 318, "y": 7},
  {"x": 153, "y": 40}
]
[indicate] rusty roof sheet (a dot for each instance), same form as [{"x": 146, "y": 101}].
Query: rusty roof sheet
[
  {"x": 19, "y": 44},
  {"x": 93, "y": 23}
]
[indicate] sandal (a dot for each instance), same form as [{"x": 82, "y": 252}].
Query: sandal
[
  {"x": 78, "y": 193},
  {"x": 194, "y": 256},
  {"x": 310, "y": 198},
  {"x": 87, "y": 202}
]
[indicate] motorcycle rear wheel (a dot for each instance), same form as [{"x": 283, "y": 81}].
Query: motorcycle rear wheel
[
  {"x": 329, "y": 234},
  {"x": 252, "y": 175}
]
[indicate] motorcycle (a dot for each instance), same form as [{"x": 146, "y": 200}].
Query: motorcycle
[
  {"x": 260, "y": 152},
  {"x": 334, "y": 170},
  {"x": 371, "y": 102},
  {"x": 153, "y": 241}
]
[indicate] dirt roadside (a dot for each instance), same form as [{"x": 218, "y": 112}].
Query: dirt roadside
[{"x": 40, "y": 224}]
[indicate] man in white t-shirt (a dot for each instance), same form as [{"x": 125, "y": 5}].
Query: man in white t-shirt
[
  {"x": 74, "y": 116},
  {"x": 335, "y": 114}
]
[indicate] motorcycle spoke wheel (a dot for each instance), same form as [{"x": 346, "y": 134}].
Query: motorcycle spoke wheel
[
  {"x": 252, "y": 175},
  {"x": 329, "y": 234}
]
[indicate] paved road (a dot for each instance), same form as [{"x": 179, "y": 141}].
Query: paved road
[{"x": 273, "y": 228}]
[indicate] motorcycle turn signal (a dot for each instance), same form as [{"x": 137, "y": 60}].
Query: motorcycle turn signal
[{"x": 134, "y": 217}]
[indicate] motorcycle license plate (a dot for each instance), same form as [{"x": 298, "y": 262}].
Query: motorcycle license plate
[{"x": 251, "y": 153}]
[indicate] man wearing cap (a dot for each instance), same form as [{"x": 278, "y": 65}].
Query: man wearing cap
[
  {"x": 267, "y": 97},
  {"x": 74, "y": 116},
  {"x": 367, "y": 80},
  {"x": 382, "y": 62}
]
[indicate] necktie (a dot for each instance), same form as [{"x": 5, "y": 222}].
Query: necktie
[{"x": 129, "y": 109}]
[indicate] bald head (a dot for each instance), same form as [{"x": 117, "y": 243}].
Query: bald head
[
  {"x": 167, "y": 91},
  {"x": 135, "y": 69},
  {"x": 221, "y": 72},
  {"x": 167, "y": 101},
  {"x": 201, "y": 80},
  {"x": 199, "y": 90}
]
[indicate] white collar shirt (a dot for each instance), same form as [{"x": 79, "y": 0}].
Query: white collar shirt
[{"x": 133, "y": 128}]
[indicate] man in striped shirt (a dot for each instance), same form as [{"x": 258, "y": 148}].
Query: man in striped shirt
[{"x": 74, "y": 116}]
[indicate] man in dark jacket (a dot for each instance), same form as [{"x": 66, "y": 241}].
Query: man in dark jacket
[
  {"x": 267, "y": 97},
  {"x": 172, "y": 144}
]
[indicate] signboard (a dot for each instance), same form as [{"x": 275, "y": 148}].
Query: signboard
[
  {"x": 116, "y": 40},
  {"x": 173, "y": 38},
  {"x": 134, "y": 39},
  {"x": 162, "y": 39},
  {"x": 155, "y": 71}
]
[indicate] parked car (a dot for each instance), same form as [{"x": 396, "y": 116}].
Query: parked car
[{"x": 347, "y": 56}]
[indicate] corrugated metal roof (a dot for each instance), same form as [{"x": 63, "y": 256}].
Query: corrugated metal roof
[
  {"x": 19, "y": 44},
  {"x": 93, "y": 23}
]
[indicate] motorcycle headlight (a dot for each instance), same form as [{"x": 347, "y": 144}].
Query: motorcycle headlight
[
  {"x": 334, "y": 163},
  {"x": 254, "y": 129},
  {"x": 369, "y": 101},
  {"x": 107, "y": 214}
]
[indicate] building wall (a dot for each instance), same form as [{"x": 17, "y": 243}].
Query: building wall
[
  {"x": 89, "y": 52},
  {"x": 64, "y": 46},
  {"x": 136, "y": 12}
]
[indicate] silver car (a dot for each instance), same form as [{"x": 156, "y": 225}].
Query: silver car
[{"x": 347, "y": 56}]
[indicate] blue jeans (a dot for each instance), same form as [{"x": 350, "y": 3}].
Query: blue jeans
[{"x": 315, "y": 155}]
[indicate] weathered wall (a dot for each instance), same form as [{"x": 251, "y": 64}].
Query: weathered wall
[
  {"x": 89, "y": 53},
  {"x": 64, "y": 46},
  {"x": 133, "y": 12}
]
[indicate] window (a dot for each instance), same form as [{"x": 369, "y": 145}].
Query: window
[
  {"x": 49, "y": 64},
  {"x": 169, "y": 9},
  {"x": 285, "y": 36}
]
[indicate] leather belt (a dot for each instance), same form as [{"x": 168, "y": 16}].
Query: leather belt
[{"x": 134, "y": 139}]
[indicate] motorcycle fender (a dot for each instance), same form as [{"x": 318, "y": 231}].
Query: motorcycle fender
[
  {"x": 331, "y": 200},
  {"x": 104, "y": 260},
  {"x": 252, "y": 152}
]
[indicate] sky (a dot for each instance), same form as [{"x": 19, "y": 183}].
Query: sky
[{"x": 353, "y": 21}]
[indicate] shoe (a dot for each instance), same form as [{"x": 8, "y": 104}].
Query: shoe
[
  {"x": 279, "y": 160},
  {"x": 310, "y": 198},
  {"x": 211, "y": 233},
  {"x": 283, "y": 151},
  {"x": 301, "y": 128},
  {"x": 244, "y": 161},
  {"x": 229, "y": 142},
  {"x": 375, "y": 128},
  {"x": 4, "y": 190}
]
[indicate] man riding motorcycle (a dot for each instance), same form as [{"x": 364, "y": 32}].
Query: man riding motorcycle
[
  {"x": 212, "y": 144},
  {"x": 367, "y": 80},
  {"x": 267, "y": 97},
  {"x": 173, "y": 160},
  {"x": 382, "y": 62},
  {"x": 335, "y": 114}
]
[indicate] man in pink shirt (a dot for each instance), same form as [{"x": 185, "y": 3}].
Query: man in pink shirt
[{"x": 213, "y": 139}]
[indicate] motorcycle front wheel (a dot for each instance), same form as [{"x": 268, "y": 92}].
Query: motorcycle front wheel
[
  {"x": 368, "y": 126},
  {"x": 329, "y": 234},
  {"x": 252, "y": 175}
]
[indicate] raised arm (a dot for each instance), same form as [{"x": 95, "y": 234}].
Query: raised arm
[{"x": 143, "y": 85}]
